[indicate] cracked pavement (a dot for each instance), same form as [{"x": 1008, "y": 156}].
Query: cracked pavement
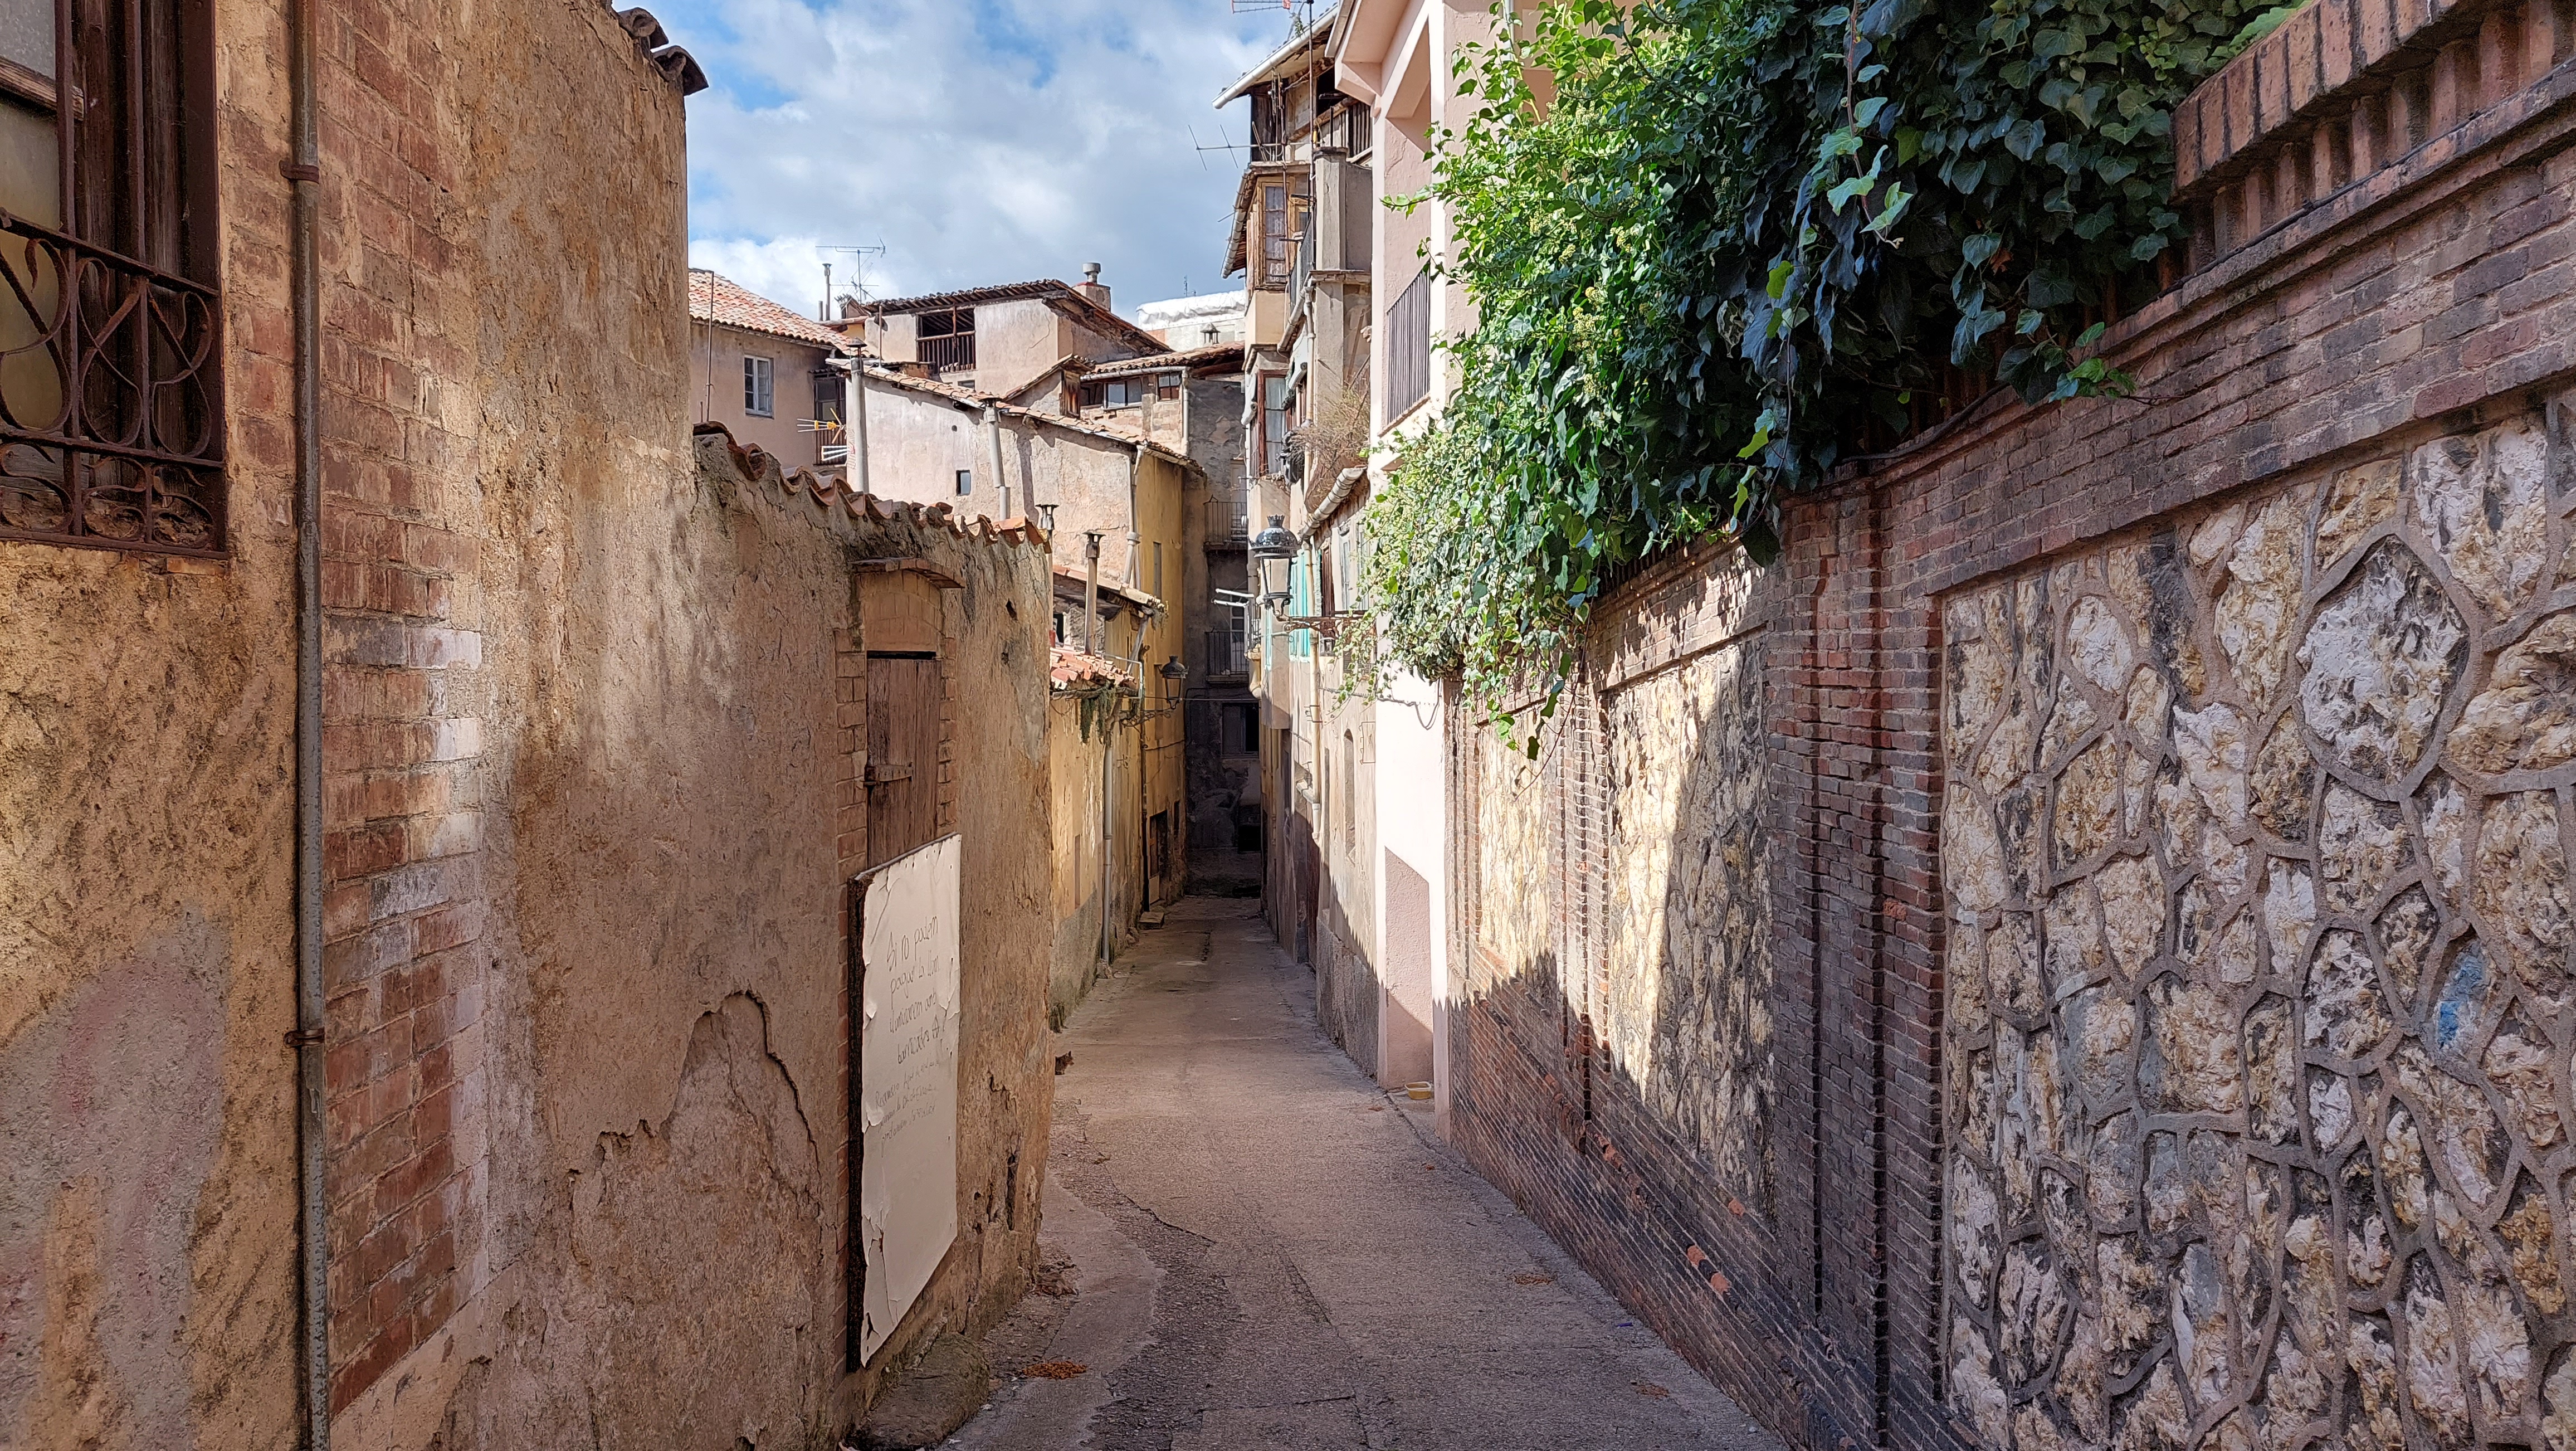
[{"x": 1271, "y": 1252}]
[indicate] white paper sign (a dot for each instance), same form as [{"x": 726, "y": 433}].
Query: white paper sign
[{"x": 907, "y": 1081}]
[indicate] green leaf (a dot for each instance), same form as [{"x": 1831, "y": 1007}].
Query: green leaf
[
  {"x": 1844, "y": 191},
  {"x": 1867, "y": 111}
]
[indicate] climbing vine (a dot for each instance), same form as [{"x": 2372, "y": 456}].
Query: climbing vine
[{"x": 1724, "y": 245}]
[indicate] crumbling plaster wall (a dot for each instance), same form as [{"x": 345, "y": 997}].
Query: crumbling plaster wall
[
  {"x": 1077, "y": 785},
  {"x": 2254, "y": 840}
]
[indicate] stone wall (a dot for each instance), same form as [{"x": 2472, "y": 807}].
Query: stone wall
[
  {"x": 2163, "y": 804},
  {"x": 2253, "y": 843}
]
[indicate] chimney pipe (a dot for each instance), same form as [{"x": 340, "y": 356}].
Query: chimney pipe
[{"x": 1092, "y": 287}]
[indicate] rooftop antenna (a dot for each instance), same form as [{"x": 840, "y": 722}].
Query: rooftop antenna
[{"x": 858, "y": 273}]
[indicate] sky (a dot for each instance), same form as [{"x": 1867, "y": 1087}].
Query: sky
[{"x": 976, "y": 141}]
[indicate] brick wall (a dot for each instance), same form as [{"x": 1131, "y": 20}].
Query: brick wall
[
  {"x": 2365, "y": 288},
  {"x": 403, "y": 693}
]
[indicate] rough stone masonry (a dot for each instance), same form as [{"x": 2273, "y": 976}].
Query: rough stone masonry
[{"x": 2254, "y": 841}]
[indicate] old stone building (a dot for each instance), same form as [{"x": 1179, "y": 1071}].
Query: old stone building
[
  {"x": 1002, "y": 340},
  {"x": 2075, "y": 955},
  {"x": 498, "y": 884}
]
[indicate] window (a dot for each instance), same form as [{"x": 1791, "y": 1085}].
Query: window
[
  {"x": 1274, "y": 422},
  {"x": 116, "y": 191},
  {"x": 1408, "y": 346},
  {"x": 1301, "y": 602},
  {"x": 759, "y": 393},
  {"x": 827, "y": 396},
  {"x": 1116, "y": 393},
  {"x": 1242, "y": 730},
  {"x": 965, "y": 482},
  {"x": 1274, "y": 234}
]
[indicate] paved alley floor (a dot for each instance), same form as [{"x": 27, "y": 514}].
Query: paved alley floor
[{"x": 1269, "y": 1252}]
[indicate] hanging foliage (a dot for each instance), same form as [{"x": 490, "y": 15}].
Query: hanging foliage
[{"x": 1736, "y": 242}]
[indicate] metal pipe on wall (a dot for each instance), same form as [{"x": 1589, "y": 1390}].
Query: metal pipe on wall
[
  {"x": 993, "y": 436},
  {"x": 854, "y": 430},
  {"x": 303, "y": 170}
]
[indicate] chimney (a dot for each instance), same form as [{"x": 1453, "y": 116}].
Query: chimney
[{"x": 1092, "y": 287}]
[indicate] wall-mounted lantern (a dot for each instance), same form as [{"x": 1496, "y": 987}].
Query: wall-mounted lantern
[{"x": 1271, "y": 549}]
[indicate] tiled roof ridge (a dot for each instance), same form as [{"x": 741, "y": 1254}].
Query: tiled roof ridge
[
  {"x": 1166, "y": 362},
  {"x": 728, "y": 303},
  {"x": 676, "y": 65},
  {"x": 756, "y": 465}
]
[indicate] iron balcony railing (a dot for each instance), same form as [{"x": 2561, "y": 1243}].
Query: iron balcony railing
[{"x": 1225, "y": 656}]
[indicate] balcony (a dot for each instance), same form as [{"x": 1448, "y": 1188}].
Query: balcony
[
  {"x": 1227, "y": 525},
  {"x": 952, "y": 354},
  {"x": 1225, "y": 657}
]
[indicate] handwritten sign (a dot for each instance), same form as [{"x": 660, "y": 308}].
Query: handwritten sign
[{"x": 907, "y": 1081}]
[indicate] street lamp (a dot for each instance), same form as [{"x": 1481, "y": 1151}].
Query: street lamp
[{"x": 1271, "y": 549}]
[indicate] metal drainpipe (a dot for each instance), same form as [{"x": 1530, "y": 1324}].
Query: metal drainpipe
[
  {"x": 993, "y": 435},
  {"x": 303, "y": 171},
  {"x": 854, "y": 431}
]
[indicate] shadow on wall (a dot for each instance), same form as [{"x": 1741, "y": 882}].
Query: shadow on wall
[{"x": 1618, "y": 1061}]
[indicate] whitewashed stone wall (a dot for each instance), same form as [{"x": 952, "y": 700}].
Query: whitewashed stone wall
[{"x": 2259, "y": 989}]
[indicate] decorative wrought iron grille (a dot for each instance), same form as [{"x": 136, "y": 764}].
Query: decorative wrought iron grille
[{"x": 111, "y": 424}]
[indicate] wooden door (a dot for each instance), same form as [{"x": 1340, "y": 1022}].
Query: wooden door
[{"x": 903, "y": 754}]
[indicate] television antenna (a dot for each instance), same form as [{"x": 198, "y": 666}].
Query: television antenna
[{"x": 858, "y": 274}]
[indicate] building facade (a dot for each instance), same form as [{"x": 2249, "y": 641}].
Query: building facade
[
  {"x": 764, "y": 372},
  {"x": 1116, "y": 503},
  {"x": 999, "y": 340}
]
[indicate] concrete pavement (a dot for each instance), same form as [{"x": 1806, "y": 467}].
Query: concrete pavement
[{"x": 1268, "y": 1252}]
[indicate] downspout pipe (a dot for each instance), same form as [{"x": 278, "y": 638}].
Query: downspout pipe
[
  {"x": 303, "y": 171},
  {"x": 993, "y": 438},
  {"x": 854, "y": 430}
]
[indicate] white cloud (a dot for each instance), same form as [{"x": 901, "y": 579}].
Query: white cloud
[{"x": 979, "y": 140}]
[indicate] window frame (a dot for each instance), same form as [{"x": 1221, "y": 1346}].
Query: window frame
[
  {"x": 759, "y": 386},
  {"x": 965, "y": 483},
  {"x": 132, "y": 456}
]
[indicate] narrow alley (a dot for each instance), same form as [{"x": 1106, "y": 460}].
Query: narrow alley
[{"x": 1270, "y": 1252}]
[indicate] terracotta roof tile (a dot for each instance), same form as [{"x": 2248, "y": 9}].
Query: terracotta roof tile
[
  {"x": 1070, "y": 667},
  {"x": 1163, "y": 363},
  {"x": 714, "y": 297}
]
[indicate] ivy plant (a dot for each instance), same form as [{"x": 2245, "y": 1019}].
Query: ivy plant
[{"x": 1716, "y": 246}]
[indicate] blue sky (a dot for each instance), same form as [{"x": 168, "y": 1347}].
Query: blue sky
[{"x": 975, "y": 140}]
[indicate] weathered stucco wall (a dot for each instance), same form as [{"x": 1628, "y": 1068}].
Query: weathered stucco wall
[
  {"x": 716, "y": 393},
  {"x": 1077, "y": 784},
  {"x": 2255, "y": 843},
  {"x": 147, "y": 1295}
]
